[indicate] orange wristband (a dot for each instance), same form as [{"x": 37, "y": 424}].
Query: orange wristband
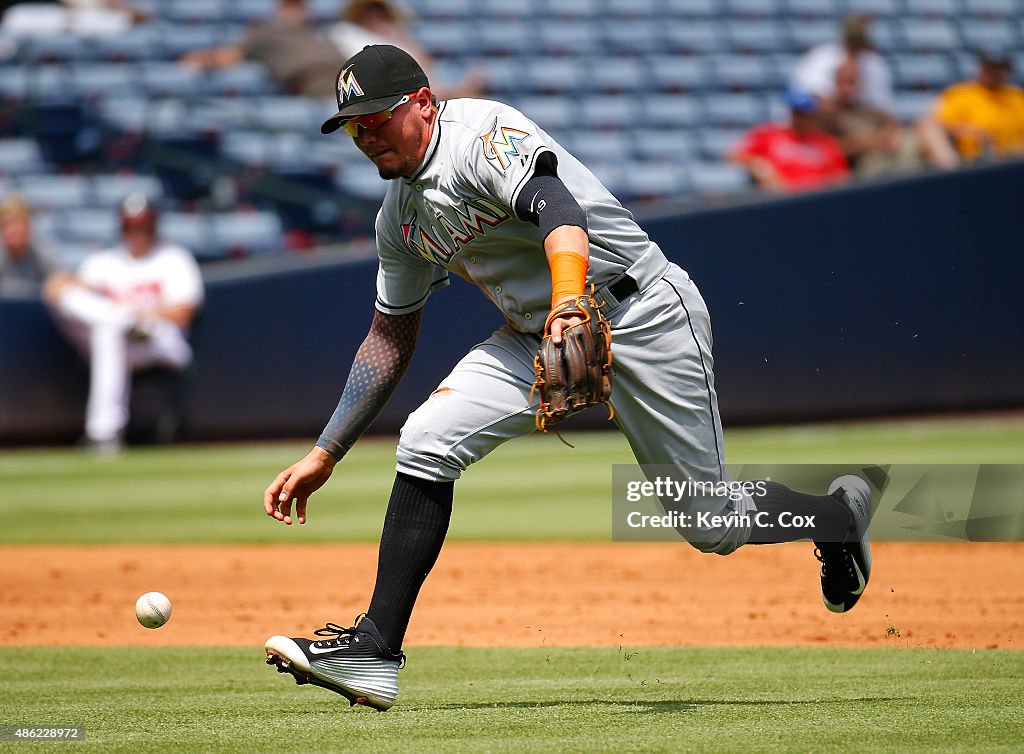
[{"x": 568, "y": 275}]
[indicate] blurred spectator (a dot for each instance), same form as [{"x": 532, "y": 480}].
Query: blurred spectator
[
  {"x": 816, "y": 70},
  {"x": 23, "y": 266},
  {"x": 296, "y": 55},
  {"x": 795, "y": 156},
  {"x": 872, "y": 141},
  {"x": 984, "y": 117},
  {"x": 84, "y": 17},
  {"x": 370, "y": 22},
  {"x": 127, "y": 308}
]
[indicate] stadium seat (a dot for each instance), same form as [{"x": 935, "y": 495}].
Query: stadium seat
[
  {"x": 61, "y": 49},
  {"x": 932, "y": 8},
  {"x": 992, "y": 8},
  {"x": 580, "y": 38},
  {"x": 667, "y": 144},
  {"x": 590, "y": 146},
  {"x": 242, "y": 79},
  {"x": 247, "y": 11},
  {"x": 440, "y": 10},
  {"x": 650, "y": 180},
  {"x": 444, "y": 40},
  {"x": 923, "y": 71},
  {"x": 325, "y": 11},
  {"x": 690, "y": 8},
  {"x": 735, "y": 110},
  {"x": 805, "y": 9},
  {"x": 757, "y": 36},
  {"x": 745, "y": 72},
  {"x": 929, "y": 36},
  {"x": 615, "y": 75},
  {"x": 111, "y": 190},
  {"x": 612, "y": 113},
  {"x": 100, "y": 228},
  {"x": 164, "y": 78},
  {"x": 550, "y": 113},
  {"x": 55, "y": 191},
  {"x": 20, "y": 157},
  {"x": 676, "y": 74},
  {"x": 696, "y": 37},
  {"x": 303, "y": 114},
  {"x": 191, "y": 231},
  {"x": 247, "y": 148},
  {"x": 717, "y": 177},
  {"x": 717, "y": 143},
  {"x": 670, "y": 111},
  {"x": 909, "y": 106},
  {"x": 239, "y": 233},
  {"x": 100, "y": 79},
  {"x": 361, "y": 180},
  {"x": 632, "y": 37},
  {"x": 176, "y": 40},
  {"x": 873, "y": 8},
  {"x": 47, "y": 82},
  {"x": 510, "y": 38},
  {"x": 752, "y": 8},
  {"x": 634, "y": 9},
  {"x": 138, "y": 43},
  {"x": 981, "y": 34},
  {"x": 807, "y": 34},
  {"x": 195, "y": 11},
  {"x": 552, "y": 75}
]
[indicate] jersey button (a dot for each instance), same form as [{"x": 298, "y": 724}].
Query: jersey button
[
  {"x": 419, "y": 186},
  {"x": 528, "y": 315},
  {"x": 497, "y": 289}
]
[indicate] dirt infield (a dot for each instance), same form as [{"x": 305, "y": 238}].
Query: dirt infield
[{"x": 537, "y": 594}]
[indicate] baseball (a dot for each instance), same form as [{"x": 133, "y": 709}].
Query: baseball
[{"x": 153, "y": 609}]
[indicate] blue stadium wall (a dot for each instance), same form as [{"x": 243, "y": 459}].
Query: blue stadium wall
[{"x": 901, "y": 296}]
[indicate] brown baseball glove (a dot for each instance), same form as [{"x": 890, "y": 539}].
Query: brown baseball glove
[{"x": 577, "y": 373}]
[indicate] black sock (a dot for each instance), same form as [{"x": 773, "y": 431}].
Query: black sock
[
  {"x": 414, "y": 529},
  {"x": 832, "y": 519}
]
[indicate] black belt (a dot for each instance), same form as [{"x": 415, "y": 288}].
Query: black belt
[{"x": 623, "y": 288}]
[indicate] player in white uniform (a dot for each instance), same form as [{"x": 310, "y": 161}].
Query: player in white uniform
[
  {"x": 479, "y": 190},
  {"x": 127, "y": 308}
]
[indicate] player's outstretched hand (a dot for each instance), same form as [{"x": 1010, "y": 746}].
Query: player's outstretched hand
[{"x": 297, "y": 483}]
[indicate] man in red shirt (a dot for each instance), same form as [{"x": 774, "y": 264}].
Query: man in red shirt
[{"x": 792, "y": 157}]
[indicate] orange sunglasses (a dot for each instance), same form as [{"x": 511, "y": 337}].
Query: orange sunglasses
[{"x": 372, "y": 121}]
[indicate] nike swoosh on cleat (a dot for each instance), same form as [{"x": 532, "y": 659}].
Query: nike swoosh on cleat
[
  {"x": 319, "y": 651},
  {"x": 860, "y": 578}
]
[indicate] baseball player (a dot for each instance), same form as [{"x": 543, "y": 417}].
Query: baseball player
[
  {"x": 127, "y": 308},
  {"x": 478, "y": 190}
]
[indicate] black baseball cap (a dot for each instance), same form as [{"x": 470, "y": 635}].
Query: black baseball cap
[{"x": 374, "y": 79}]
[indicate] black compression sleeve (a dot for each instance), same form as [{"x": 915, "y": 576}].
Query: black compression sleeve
[
  {"x": 547, "y": 203},
  {"x": 377, "y": 369}
]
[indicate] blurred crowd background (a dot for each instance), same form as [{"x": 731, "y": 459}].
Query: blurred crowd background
[
  {"x": 205, "y": 114},
  {"x": 211, "y": 108}
]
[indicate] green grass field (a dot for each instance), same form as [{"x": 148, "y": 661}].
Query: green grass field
[
  {"x": 459, "y": 699},
  {"x": 477, "y": 700},
  {"x": 530, "y": 489}
]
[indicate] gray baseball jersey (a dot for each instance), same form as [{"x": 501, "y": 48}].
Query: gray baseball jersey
[{"x": 455, "y": 215}]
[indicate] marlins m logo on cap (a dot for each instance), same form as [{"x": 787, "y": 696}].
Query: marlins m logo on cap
[{"x": 348, "y": 85}]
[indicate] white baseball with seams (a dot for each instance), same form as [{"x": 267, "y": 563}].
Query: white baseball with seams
[{"x": 153, "y": 609}]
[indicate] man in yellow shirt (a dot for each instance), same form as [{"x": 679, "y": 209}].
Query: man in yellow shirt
[{"x": 984, "y": 117}]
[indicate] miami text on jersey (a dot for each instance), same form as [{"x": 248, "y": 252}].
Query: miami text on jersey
[
  {"x": 501, "y": 144},
  {"x": 439, "y": 243}
]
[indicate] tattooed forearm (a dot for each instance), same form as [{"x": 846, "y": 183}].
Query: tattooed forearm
[{"x": 377, "y": 369}]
